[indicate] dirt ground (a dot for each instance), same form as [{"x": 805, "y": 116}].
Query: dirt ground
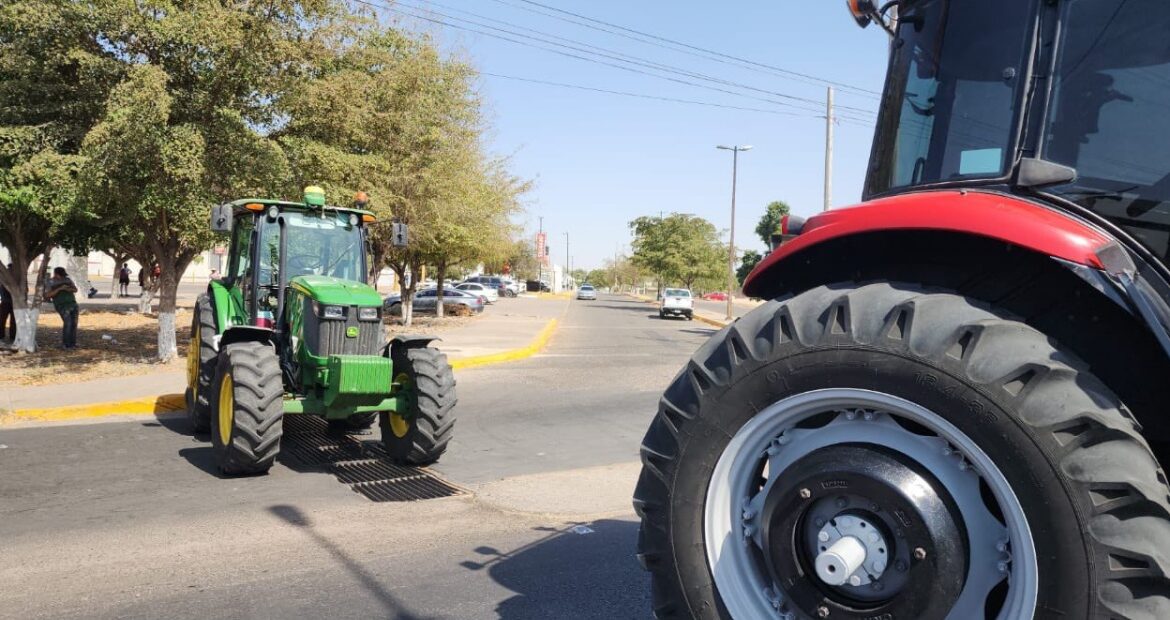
[
  {"x": 109, "y": 344},
  {"x": 117, "y": 344}
]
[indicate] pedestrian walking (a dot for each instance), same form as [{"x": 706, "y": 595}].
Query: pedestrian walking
[
  {"x": 7, "y": 314},
  {"x": 124, "y": 280},
  {"x": 60, "y": 290}
]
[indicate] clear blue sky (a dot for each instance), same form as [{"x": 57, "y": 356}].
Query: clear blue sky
[{"x": 600, "y": 160}]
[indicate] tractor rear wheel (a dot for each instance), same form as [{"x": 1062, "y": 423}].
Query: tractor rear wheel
[
  {"x": 249, "y": 408},
  {"x": 201, "y": 357},
  {"x": 874, "y": 451},
  {"x": 420, "y": 435}
]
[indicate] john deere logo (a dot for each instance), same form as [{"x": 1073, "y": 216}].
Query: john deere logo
[{"x": 351, "y": 332}]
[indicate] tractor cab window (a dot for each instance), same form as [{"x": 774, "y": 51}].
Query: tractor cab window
[
  {"x": 327, "y": 244},
  {"x": 1108, "y": 116},
  {"x": 952, "y": 94},
  {"x": 241, "y": 249}
]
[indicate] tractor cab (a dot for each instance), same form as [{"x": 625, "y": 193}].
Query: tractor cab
[
  {"x": 1065, "y": 102},
  {"x": 277, "y": 244}
]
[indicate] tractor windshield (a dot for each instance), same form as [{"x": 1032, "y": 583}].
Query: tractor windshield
[
  {"x": 1108, "y": 117},
  {"x": 952, "y": 98},
  {"x": 325, "y": 244}
]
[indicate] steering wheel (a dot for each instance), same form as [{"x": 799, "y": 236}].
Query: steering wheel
[{"x": 304, "y": 263}]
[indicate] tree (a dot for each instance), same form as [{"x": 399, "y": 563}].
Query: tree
[
  {"x": 679, "y": 248},
  {"x": 189, "y": 124},
  {"x": 751, "y": 258},
  {"x": 770, "y": 221},
  {"x": 54, "y": 75}
]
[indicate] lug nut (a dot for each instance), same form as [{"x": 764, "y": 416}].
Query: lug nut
[
  {"x": 805, "y": 494},
  {"x": 823, "y": 537},
  {"x": 822, "y": 612},
  {"x": 855, "y": 580},
  {"x": 819, "y": 522},
  {"x": 919, "y": 553}
]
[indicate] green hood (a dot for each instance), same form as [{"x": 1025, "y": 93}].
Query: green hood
[{"x": 337, "y": 292}]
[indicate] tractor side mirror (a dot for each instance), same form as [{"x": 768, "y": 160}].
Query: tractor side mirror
[
  {"x": 862, "y": 11},
  {"x": 221, "y": 218},
  {"x": 398, "y": 235}
]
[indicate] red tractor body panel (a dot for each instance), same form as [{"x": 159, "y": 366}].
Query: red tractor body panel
[{"x": 997, "y": 216}]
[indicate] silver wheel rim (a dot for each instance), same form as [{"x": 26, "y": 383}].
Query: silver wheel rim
[{"x": 734, "y": 497}]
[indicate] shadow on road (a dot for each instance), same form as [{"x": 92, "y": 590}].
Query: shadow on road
[
  {"x": 395, "y": 609},
  {"x": 586, "y": 570}
]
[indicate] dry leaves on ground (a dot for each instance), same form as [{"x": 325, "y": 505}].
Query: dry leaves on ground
[{"x": 109, "y": 344}]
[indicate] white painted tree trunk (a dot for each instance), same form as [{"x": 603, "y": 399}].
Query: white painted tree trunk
[
  {"x": 146, "y": 301},
  {"x": 26, "y": 329},
  {"x": 167, "y": 347},
  {"x": 407, "y": 310}
]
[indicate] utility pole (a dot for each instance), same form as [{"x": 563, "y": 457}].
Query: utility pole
[
  {"x": 539, "y": 253},
  {"x": 566, "y": 258},
  {"x": 731, "y": 243},
  {"x": 829, "y": 150}
]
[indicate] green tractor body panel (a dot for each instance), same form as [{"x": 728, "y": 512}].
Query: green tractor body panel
[
  {"x": 229, "y": 306},
  {"x": 331, "y": 291},
  {"x": 356, "y": 379}
]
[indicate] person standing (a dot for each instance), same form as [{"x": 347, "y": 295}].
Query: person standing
[
  {"x": 124, "y": 280},
  {"x": 60, "y": 290},
  {"x": 7, "y": 314}
]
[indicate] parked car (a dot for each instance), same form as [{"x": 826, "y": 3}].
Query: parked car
[
  {"x": 587, "y": 292},
  {"x": 677, "y": 302},
  {"x": 538, "y": 285},
  {"x": 715, "y": 296},
  {"x": 513, "y": 287},
  {"x": 491, "y": 294},
  {"x": 426, "y": 300},
  {"x": 496, "y": 283}
]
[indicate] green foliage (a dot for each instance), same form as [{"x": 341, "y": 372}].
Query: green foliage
[
  {"x": 750, "y": 259},
  {"x": 770, "y": 221},
  {"x": 679, "y": 248}
]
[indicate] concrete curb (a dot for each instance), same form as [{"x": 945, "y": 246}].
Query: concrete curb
[{"x": 166, "y": 403}]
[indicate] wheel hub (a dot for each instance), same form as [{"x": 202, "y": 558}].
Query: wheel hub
[{"x": 861, "y": 531}]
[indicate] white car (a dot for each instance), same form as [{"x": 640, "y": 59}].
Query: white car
[
  {"x": 491, "y": 294},
  {"x": 587, "y": 292},
  {"x": 677, "y": 302}
]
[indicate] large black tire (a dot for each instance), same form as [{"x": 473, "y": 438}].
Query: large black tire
[
  {"x": 1095, "y": 496},
  {"x": 421, "y": 436},
  {"x": 247, "y": 440},
  {"x": 203, "y": 332}
]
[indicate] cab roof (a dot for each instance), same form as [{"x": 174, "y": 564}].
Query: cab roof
[{"x": 238, "y": 206}]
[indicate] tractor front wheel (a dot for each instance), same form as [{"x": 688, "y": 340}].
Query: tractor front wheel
[
  {"x": 247, "y": 421},
  {"x": 419, "y": 435},
  {"x": 201, "y": 357},
  {"x": 879, "y": 451}
]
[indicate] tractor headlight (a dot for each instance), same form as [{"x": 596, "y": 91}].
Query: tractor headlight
[
  {"x": 368, "y": 314},
  {"x": 332, "y": 312}
]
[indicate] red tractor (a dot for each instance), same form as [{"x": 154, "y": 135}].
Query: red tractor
[{"x": 955, "y": 403}]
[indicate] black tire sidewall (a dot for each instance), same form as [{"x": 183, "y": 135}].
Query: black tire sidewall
[{"x": 1026, "y": 461}]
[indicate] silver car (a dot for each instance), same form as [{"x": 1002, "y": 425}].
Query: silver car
[
  {"x": 587, "y": 292},
  {"x": 425, "y": 302}
]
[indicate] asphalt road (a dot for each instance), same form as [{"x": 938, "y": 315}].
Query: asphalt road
[{"x": 129, "y": 520}]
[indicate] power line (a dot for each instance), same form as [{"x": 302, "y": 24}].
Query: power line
[
  {"x": 801, "y": 103},
  {"x": 643, "y": 95},
  {"x": 726, "y": 58}
]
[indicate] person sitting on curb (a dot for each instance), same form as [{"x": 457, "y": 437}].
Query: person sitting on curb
[{"x": 60, "y": 290}]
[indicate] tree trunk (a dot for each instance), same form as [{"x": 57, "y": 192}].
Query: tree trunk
[
  {"x": 171, "y": 271},
  {"x": 441, "y": 268},
  {"x": 377, "y": 262},
  {"x": 25, "y": 310}
]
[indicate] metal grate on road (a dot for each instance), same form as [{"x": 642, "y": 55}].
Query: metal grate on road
[{"x": 363, "y": 465}]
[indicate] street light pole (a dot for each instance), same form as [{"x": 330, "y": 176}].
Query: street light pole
[
  {"x": 566, "y": 257},
  {"x": 731, "y": 242}
]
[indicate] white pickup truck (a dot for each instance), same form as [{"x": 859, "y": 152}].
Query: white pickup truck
[{"x": 677, "y": 302}]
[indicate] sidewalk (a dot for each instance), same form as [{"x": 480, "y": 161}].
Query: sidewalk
[{"x": 507, "y": 325}]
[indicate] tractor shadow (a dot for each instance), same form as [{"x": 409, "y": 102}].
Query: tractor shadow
[{"x": 584, "y": 570}]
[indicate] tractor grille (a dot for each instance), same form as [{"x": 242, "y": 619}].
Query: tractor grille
[{"x": 333, "y": 341}]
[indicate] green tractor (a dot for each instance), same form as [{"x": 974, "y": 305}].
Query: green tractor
[{"x": 293, "y": 328}]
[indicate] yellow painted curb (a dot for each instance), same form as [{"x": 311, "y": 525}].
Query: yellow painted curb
[
  {"x": 166, "y": 403},
  {"x": 139, "y": 406},
  {"x": 509, "y": 356}
]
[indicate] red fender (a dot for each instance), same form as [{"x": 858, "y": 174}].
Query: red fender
[{"x": 1005, "y": 218}]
